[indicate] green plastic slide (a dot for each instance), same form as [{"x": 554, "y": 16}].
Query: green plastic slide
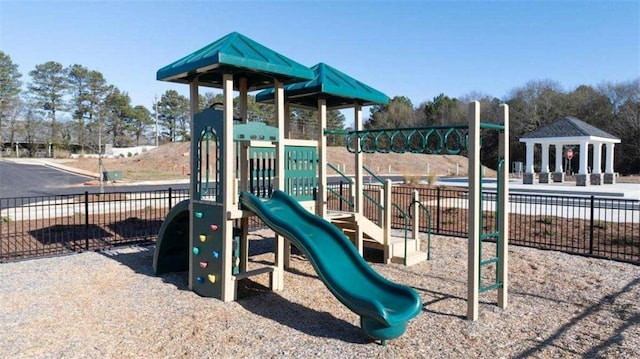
[{"x": 384, "y": 307}]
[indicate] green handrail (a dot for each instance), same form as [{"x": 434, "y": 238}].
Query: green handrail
[
  {"x": 406, "y": 237},
  {"x": 339, "y": 195},
  {"x": 340, "y": 173},
  {"x": 424, "y": 208},
  {"x": 378, "y": 178},
  {"x": 378, "y": 204}
]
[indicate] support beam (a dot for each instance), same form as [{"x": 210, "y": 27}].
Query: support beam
[
  {"x": 503, "y": 210},
  {"x": 228, "y": 179},
  {"x": 584, "y": 157},
  {"x": 609, "y": 158},
  {"x": 243, "y": 150},
  {"x": 321, "y": 197},
  {"x": 543, "y": 176},
  {"x": 527, "y": 178},
  {"x": 193, "y": 109},
  {"x": 597, "y": 158},
  {"x": 277, "y": 279},
  {"x": 558, "y": 174},
  {"x": 473, "y": 253},
  {"x": 357, "y": 119}
]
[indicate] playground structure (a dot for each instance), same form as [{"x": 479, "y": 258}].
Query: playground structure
[{"x": 207, "y": 234}]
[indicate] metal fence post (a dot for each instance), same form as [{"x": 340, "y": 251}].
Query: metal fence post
[
  {"x": 340, "y": 201},
  {"x": 86, "y": 220},
  {"x": 170, "y": 201},
  {"x": 438, "y": 210},
  {"x": 591, "y": 227}
]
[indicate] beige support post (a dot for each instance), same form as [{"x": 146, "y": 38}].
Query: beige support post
[
  {"x": 503, "y": 273},
  {"x": 277, "y": 276},
  {"x": 193, "y": 109},
  {"x": 287, "y": 135},
  {"x": 416, "y": 218},
  {"x": 357, "y": 120},
  {"x": 321, "y": 197},
  {"x": 473, "y": 259},
  {"x": 229, "y": 285},
  {"x": 244, "y": 173},
  {"x": 387, "y": 220}
]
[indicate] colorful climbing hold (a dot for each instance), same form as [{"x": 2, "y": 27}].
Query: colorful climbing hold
[
  {"x": 215, "y": 254},
  {"x": 200, "y": 280},
  {"x": 214, "y": 227},
  {"x": 195, "y": 250},
  {"x": 198, "y": 214},
  {"x": 203, "y": 238},
  {"x": 204, "y": 264},
  {"x": 212, "y": 278}
]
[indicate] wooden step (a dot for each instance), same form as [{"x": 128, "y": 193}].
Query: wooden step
[{"x": 412, "y": 258}]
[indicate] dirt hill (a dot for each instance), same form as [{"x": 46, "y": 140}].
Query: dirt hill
[{"x": 171, "y": 161}]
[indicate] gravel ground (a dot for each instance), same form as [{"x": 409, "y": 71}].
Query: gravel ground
[{"x": 110, "y": 305}]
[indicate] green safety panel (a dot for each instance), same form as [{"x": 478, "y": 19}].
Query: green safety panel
[
  {"x": 254, "y": 131},
  {"x": 300, "y": 172}
]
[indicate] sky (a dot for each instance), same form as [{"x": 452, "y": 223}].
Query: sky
[{"x": 417, "y": 49}]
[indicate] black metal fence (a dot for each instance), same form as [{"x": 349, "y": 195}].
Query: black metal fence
[
  {"x": 601, "y": 227},
  {"x": 52, "y": 225}
]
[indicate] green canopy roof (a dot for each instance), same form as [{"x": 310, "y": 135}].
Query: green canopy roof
[
  {"x": 339, "y": 90},
  {"x": 238, "y": 55}
]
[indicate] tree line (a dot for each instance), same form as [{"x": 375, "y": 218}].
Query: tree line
[
  {"x": 74, "y": 105},
  {"x": 611, "y": 107}
]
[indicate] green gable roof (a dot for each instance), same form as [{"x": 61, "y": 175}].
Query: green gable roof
[
  {"x": 339, "y": 90},
  {"x": 238, "y": 55}
]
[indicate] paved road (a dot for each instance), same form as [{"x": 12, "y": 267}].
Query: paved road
[
  {"x": 18, "y": 180},
  {"x": 23, "y": 180}
]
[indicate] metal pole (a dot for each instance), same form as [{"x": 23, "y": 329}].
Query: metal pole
[{"x": 155, "y": 104}]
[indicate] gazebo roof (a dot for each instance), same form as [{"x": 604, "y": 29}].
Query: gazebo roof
[
  {"x": 568, "y": 127},
  {"x": 339, "y": 90},
  {"x": 238, "y": 55}
]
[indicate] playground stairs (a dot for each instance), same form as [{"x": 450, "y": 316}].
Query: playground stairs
[{"x": 374, "y": 237}]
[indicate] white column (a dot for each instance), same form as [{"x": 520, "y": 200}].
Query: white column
[
  {"x": 529, "y": 160},
  {"x": 584, "y": 157},
  {"x": 559, "y": 158},
  {"x": 597, "y": 158},
  {"x": 609, "y": 159},
  {"x": 544, "y": 168}
]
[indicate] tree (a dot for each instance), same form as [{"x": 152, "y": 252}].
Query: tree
[
  {"x": 443, "y": 110},
  {"x": 397, "y": 113},
  {"x": 94, "y": 107},
  {"x": 139, "y": 121},
  {"x": 78, "y": 78},
  {"x": 9, "y": 87},
  {"x": 48, "y": 86},
  {"x": 173, "y": 114},
  {"x": 118, "y": 115},
  {"x": 625, "y": 105}
]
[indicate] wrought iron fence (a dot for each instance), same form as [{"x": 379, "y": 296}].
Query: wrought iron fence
[
  {"x": 53, "y": 225},
  {"x": 601, "y": 227}
]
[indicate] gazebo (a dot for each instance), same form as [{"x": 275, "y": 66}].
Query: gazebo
[{"x": 563, "y": 134}]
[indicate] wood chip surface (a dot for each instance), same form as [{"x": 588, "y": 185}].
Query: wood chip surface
[{"x": 110, "y": 305}]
